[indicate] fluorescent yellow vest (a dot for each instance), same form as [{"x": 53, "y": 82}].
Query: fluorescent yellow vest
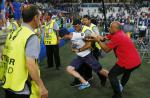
[
  {"x": 91, "y": 28},
  {"x": 14, "y": 25},
  {"x": 14, "y": 57},
  {"x": 85, "y": 28},
  {"x": 50, "y": 37}
]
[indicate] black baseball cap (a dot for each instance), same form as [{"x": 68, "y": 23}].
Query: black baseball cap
[{"x": 76, "y": 21}]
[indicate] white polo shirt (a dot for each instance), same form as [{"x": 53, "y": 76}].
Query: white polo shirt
[{"x": 78, "y": 42}]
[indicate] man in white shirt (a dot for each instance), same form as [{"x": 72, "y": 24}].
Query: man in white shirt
[{"x": 83, "y": 50}]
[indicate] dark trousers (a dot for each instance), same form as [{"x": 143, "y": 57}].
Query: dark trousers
[
  {"x": 86, "y": 71},
  {"x": 9, "y": 94},
  {"x": 96, "y": 53},
  {"x": 52, "y": 52},
  {"x": 116, "y": 71}
]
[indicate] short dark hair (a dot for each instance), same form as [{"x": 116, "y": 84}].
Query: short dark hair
[
  {"x": 28, "y": 13},
  {"x": 87, "y": 16},
  {"x": 76, "y": 21}
]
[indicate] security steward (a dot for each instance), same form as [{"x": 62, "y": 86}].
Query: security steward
[
  {"x": 51, "y": 42},
  {"x": 21, "y": 77},
  {"x": 96, "y": 51}
]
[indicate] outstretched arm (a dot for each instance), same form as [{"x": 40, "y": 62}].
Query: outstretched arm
[
  {"x": 99, "y": 39},
  {"x": 86, "y": 46}
]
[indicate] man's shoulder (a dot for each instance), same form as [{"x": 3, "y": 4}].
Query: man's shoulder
[{"x": 33, "y": 38}]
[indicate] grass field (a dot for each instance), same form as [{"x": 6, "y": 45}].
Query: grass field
[{"x": 58, "y": 81}]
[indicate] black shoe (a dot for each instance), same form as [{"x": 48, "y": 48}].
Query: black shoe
[
  {"x": 103, "y": 82},
  {"x": 75, "y": 83},
  {"x": 117, "y": 96}
]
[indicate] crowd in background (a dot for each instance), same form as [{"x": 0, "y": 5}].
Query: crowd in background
[
  {"x": 124, "y": 13},
  {"x": 54, "y": 18}
]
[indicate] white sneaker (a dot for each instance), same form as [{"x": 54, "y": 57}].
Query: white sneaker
[{"x": 84, "y": 85}]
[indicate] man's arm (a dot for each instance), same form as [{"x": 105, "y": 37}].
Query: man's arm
[
  {"x": 34, "y": 71},
  {"x": 85, "y": 47},
  {"x": 104, "y": 47},
  {"x": 68, "y": 36},
  {"x": 32, "y": 52},
  {"x": 34, "y": 74},
  {"x": 99, "y": 39}
]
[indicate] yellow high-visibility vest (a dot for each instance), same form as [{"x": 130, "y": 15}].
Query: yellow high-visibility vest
[
  {"x": 14, "y": 26},
  {"x": 91, "y": 28},
  {"x": 84, "y": 28},
  {"x": 50, "y": 37},
  {"x": 14, "y": 58}
]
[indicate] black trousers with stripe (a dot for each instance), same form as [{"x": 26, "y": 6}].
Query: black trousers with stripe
[{"x": 52, "y": 52}]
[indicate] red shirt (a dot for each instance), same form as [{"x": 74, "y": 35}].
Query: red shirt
[{"x": 124, "y": 49}]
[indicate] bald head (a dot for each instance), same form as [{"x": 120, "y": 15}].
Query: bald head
[{"x": 115, "y": 26}]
